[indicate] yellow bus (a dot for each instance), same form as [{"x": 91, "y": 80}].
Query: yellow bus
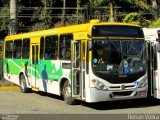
[{"x": 92, "y": 62}]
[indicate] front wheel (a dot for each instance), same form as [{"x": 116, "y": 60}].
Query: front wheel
[
  {"x": 67, "y": 94},
  {"x": 23, "y": 84}
]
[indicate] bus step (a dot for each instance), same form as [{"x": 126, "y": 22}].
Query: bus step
[
  {"x": 78, "y": 97},
  {"x": 35, "y": 89}
]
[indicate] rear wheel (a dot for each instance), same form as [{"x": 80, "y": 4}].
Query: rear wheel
[
  {"x": 67, "y": 94},
  {"x": 23, "y": 84}
]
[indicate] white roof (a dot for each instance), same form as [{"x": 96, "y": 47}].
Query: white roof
[{"x": 151, "y": 33}]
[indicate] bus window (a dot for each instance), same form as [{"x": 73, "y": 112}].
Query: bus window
[
  {"x": 51, "y": 47},
  {"x": 9, "y": 49},
  {"x": 42, "y": 48},
  {"x": 25, "y": 49},
  {"x": 17, "y": 49},
  {"x": 65, "y": 46}
]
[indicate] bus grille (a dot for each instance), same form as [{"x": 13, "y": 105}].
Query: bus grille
[
  {"x": 126, "y": 93},
  {"x": 119, "y": 87}
]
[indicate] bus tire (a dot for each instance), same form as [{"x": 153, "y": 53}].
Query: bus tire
[
  {"x": 23, "y": 84},
  {"x": 67, "y": 94}
]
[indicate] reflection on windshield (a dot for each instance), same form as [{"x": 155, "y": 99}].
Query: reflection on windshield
[{"x": 118, "y": 56}]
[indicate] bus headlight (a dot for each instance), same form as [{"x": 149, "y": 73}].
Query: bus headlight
[
  {"x": 99, "y": 85},
  {"x": 140, "y": 84}
]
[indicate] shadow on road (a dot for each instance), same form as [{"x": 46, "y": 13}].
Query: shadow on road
[
  {"x": 123, "y": 104},
  {"x": 111, "y": 105},
  {"x": 50, "y": 95}
]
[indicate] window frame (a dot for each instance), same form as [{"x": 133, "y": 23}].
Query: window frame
[
  {"x": 26, "y": 49},
  {"x": 9, "y": 48},
  {"x": 54, "y": 54},
  {"x": 17, "y": 49},
  {"x": 66, "y": 53}
]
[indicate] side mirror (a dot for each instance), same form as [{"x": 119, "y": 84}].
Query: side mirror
[{"x": 90, "y": 45}]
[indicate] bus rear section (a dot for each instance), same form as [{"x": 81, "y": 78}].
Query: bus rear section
[
  {"x": 117, "y": 67},
  {"x": 152, "y": 38}
]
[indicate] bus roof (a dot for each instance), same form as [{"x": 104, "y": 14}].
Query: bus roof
[
  {"x": 151, "y": 33},
  {"x": 64, "y": 30}
]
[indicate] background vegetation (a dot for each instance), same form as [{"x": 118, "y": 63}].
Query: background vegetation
[{"x": 42, "y": 14}]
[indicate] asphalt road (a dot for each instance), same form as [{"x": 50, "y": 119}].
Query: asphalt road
[{"x": 15, "y": 102}]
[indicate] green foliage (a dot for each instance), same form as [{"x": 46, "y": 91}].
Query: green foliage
[
  {"x": 42, "y": 18},
  {"x": 145, "y": 22},
  {"x": 143, "y": 4},
  {"x": 96, "y": 2},
  {"x": 4, "y": 21},
  {"x": 155, "y": 24},
  {"x": 131, "y": 17},
  {"x": 74, "y": 20},
  {"x": 39, "y": 26},
  {"x": 3, "y": 3},
  {"x": 135, "y": 18}
]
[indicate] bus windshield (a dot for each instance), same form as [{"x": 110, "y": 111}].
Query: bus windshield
[{"x": 118, "y": 56}]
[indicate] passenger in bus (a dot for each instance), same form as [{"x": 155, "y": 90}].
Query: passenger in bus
[
  {"x": 102, "y": 56},
  {"x": 63, "y": 53}
]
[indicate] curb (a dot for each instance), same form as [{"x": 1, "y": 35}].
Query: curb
[{"x": 9, "y": 88}]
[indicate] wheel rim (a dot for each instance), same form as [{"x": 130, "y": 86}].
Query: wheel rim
[
  {"x": 22, "y": 83},
  {"x": 67, "y": 93}
]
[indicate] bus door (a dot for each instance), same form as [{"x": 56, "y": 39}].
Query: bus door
[
  {"x": 157, "y": 70},
  {"x": 76, "y": 68},
  {"x": 34, "y": 64},
  {"x": 153, "y": 71},
  {"x": 83, "y": 67},
  {"x": 150, "y": 69}
]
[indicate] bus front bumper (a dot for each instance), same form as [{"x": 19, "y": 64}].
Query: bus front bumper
[{"x": 100, "y": 95}]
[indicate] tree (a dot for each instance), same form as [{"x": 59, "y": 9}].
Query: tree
[
  {"x": 4, "y": 19},
  {"x": 13, "y": 17},
  {"x": 42, "y": 17},
  {"x": 143, "y": 4},
  {"x": 96, "y": 2},
  {"x": 155, "y": 24},
  {"x": 3, "y": 3},
  {"x": 26, "y": 8},
  {"x": 155, "y": 4},
  {"x": 135, "y": 18},
  {"x": 38, "y": 14}
]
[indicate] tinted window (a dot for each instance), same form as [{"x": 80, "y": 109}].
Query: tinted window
[
  {"x": 65, "y": 46},
  {"x": 26, "y": 48},
  {"x": 17, "y": 49},
  {"x": 9, "y": 49},
  {"x": 51, "y": 47},
  {"x": 119, "y": 57},
  {"x": 111, "y": 30}
]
